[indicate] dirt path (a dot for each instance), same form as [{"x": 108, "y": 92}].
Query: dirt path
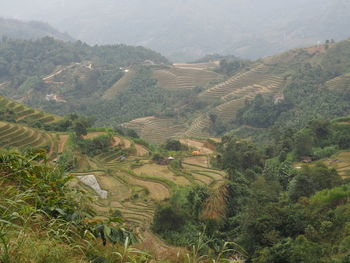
[
  {"x": 62, "y": 142},
  {"x": 59, "y": 72}
]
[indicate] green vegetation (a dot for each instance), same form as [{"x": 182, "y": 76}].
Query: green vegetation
[
  {"x": 42, "y": 219},
  {"x": 306, "y": 95},
  {"x": 230, "y": 67},
  {"x": 273, "y": 209}
]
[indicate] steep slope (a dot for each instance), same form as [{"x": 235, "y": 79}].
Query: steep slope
[{"x": 283, "y": 81}]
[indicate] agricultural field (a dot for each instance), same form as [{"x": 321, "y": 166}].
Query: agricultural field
[
  {"x": 185, "y": 76},
  {"x": 20, "y": 136},
  {"x": 25, "y": 114},
  {"x": 136, "y": 184},
  {"x": 340, "y": 162},
  {"x": 339, "y": 83},
  {"x": 133, "y": 183},
  {"x": 156, "y": 130}
]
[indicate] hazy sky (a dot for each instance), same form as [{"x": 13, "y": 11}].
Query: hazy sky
[{"x": 185, "y": 26}]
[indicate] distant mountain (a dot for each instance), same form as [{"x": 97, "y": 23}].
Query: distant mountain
[
  {"x": 16, "y": 29},
  {"x": 190, "y": 29}
]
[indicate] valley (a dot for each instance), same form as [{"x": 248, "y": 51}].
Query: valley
[{"x": 126, "y": 151}]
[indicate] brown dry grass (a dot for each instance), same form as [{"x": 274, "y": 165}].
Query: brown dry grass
[
  {"x": 161, "y": 251},
  {"x": 161, "y": 171},
  {"x": 116, "y": 141},
  {"x": 218, "y": 140},
  {"x": 215, "y": 206},
  {"x": 140, "y": 150},
  {"x": 206, "y": 180},
  {"x": 199, "y": 145},
  {"x": 116, "y": 189},
  {"x": 197, "y": 160},
  {"x": 127, "y": 143},
  {"x": 157, "y": 191}
]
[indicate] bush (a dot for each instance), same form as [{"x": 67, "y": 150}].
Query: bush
[
  {"x": 94, "y": 146},
  {"x": 320, "y": 153},
  {"x": 174, "y": 145}
]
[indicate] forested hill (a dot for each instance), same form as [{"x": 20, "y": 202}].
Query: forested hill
[
  {"x": 137, "y": 88},
  {"x": 17, "y": 29}
]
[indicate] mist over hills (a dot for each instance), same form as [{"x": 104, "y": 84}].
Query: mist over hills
[
  {"x": 188, "y": 29},
  {"x": 16, "y": 29}
]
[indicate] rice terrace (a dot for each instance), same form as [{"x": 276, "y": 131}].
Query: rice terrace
[{"x": 230, "y": 146}]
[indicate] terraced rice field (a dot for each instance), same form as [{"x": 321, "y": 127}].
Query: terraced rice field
[
  {"x": 198, "y": 66},
  {"x": 199, "y": 127},
  {"x": 24, "y": 113},
  {"x": 136, "y": 184},
  {"x": 340, "y": 162},
  {"x": 13, "y": 135},
  {"x": 243, "y": 84},
  {"x": 198, "y": 166},
  {"x": 197, "y": 144},
  {"x": 156, "y": 130},
  {"x": 162, "y": 172},
  {"x": 184, "y": 77},
  {"x": 339, "y": 83},
  {"x": 121, "y": 187}
]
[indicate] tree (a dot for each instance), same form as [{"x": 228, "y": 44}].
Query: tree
[
  {"x": 79, "y": 128},
  {"x": 173, "y": 145},
  {"x": 301, "y": 185}
]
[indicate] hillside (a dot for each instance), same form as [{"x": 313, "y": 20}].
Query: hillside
[
  {"x": 286, "y": 90},
  {"x": 137, "y": 88},
  {"x": 119, "y": 172},
  {"x": 17, "y": 29},
  {"x": 109, "y": 188}
]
